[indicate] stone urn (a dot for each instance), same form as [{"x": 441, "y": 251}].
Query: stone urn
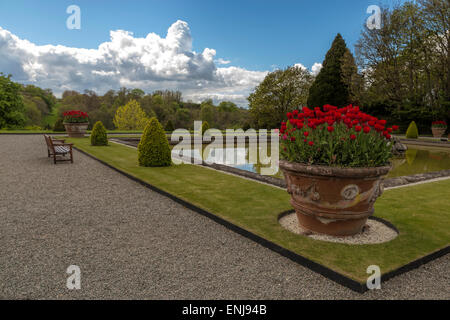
[
  {"x": 438, "y": 132},
  {"x": 331, "y": 200},
  {"x": 76, "y": 130}
]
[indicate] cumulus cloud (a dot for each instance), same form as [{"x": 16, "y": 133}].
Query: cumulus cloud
[
  {"x": 315, "y": 69},
  {"x": 148, "y": 63}
]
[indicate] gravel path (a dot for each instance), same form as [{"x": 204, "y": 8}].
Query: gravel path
[{"x": 131, "y": 242}]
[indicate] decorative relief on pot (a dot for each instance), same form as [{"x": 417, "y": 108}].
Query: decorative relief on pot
[
  {"x": 310, "y": 192},
  {"x": 350, "y": 192},
  {"x": 379, "y": 188}
]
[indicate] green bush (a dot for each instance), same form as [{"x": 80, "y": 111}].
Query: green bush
[
  {"x": 59, "y": 126},
  {"x": 98, "y": 135},
  {"x": 412, "y": 132},
  {"x": 169, "y": 126},
  {"x": 153, "y": 149},
  {"x": 205, "y": 126}
]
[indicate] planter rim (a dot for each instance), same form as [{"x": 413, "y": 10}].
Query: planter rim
[
  {"x": 75, "y": 122},
  {"x": 327, "y": 171}
]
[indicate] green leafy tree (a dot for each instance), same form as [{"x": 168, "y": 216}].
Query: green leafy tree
[
  {"x": 32, "y": 112},
  {"x": 207, "y": 112},
  {"x": 11, "y": 103},
  {"x": 153, "y": 149},
  {"x": 183, "y": 118},
  {"x": 169, "y": 126},
  {"x": 98, "y": 135},
  {"x": 130, "y": 117},
  {"x": 329, "y": 86},
  {"x": 281, "y": 91},
  {"x": 59, "y": 126}
]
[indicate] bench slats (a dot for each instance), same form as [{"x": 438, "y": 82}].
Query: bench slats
[{"x": 59, "y": 149}]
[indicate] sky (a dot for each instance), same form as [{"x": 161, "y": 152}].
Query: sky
[{"x": 206, "y": 49}]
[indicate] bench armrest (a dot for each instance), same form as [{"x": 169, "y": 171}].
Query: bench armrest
[{"x": 58, "y": 140}]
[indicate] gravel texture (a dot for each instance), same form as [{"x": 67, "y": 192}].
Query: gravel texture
[
  {"x": 373, "y": 232},
  {"x": 133, "y": 243}
]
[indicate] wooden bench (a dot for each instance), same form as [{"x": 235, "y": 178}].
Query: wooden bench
[{"x": 58, "y": 149}]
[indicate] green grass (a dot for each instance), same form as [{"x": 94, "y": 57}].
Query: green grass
[{"x": 421, "y": 212}]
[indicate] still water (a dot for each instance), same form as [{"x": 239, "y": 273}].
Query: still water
[{"x": 416, "y": 160}]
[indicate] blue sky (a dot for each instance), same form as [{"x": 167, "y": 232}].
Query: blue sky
[{"x": 252, "y": 35}]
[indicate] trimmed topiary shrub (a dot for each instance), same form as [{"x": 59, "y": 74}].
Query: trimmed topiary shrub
[
  {"x": 153, "y": 149},
  {"x": 205, "y": 126},
  {"x": 412, "y": 132},
  {"x": 59, "y": 126},
  {"x": 98, "y": 135},
  {"x": 169, "y": 126}
]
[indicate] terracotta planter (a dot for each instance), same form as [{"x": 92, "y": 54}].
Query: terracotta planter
[
  {"x": 330, "y": 200},
  {"x": 438, "y": 132},
  {"x": 76, "y": 130}
]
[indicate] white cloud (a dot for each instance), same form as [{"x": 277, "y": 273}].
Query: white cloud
[
  {"x": 148, "y": 63},
  {"x": 299, "y": 65},
  {"x": 222, "y": 61},
  {"x": 315, "y": 69}
]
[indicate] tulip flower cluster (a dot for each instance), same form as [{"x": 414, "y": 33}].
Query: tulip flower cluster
[
  {"x": 439, "y": 124},
  {"x": 344, "y": 137},
  {"x": 75, "y": 116}
]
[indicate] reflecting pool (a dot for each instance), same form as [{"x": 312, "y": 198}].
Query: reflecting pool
[{"x": 416, "y": 160}]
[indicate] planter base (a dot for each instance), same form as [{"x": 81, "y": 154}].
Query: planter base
[
  {"x": 438, "y": 132},
  {"x": 76, "y": 130},
  {"x": 331, "y": 200},
  {"x": 330, "y": 226}
]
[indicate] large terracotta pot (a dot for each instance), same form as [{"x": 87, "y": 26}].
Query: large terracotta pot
[
  {"x": 76, "y": 130},
  {"x": 330, "y": 200},
  {"x": 438, "y": 132}
]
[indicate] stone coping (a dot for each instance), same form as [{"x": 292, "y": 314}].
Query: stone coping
[
  {"x": 387, "y": 183},
  {"x": 417, "y": 142}
]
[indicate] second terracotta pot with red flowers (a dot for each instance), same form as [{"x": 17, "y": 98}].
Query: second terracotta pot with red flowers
[{"x": 76, "y": 123}]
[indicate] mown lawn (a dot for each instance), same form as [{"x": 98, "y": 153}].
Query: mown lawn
[{"x": 421, "y": 212}]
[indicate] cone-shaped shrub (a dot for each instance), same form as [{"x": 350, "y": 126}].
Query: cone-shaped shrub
[
  {"x": 153, "y": 150},
  {"x": 205, "y": 126},
  {"x": 98, "y": 135},
  {"x": 412, "y": 132}
]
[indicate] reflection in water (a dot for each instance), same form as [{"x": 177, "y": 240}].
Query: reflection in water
[{"x": 416, "y": 160}]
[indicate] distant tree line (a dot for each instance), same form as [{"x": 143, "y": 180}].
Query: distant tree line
[{"x": 28, "y": 106}]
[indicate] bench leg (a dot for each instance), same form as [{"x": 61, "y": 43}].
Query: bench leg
[
  {"x": 54, "y": 158},
  {"x": 71, "y": 156}
]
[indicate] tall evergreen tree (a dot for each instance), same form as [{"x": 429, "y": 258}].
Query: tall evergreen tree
[{"x": 329, "y": 86}]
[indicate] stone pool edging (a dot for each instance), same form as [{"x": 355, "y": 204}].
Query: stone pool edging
[
  {"x": 301, "y": 260},
  {"x": 387, "y": 183}
]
